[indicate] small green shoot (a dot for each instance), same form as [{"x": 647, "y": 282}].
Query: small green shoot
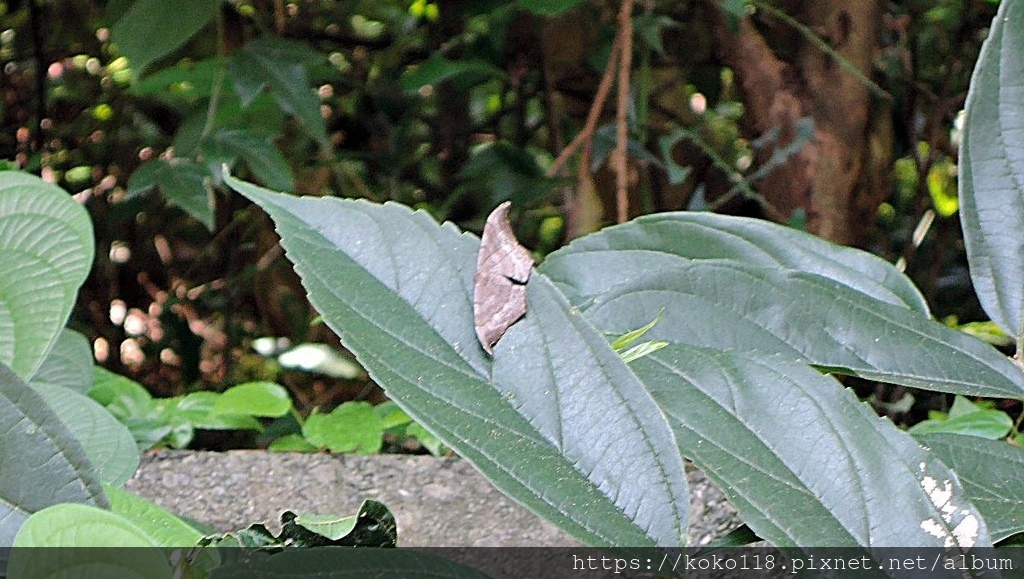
[
  {"x": 623, "y": 345},
  {"x": 987, "y": 331}
]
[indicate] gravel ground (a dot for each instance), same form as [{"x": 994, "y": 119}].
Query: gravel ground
[{"x": 437, "y": 502}]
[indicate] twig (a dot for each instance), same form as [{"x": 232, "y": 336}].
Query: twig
[
  {"x": 587, "y": 134},
  {"x": 740, "y": 185},
  {"x": 279, "y": 17},
  {"x": 218, "y": 80},
  {"x": 621, "y": 125}
]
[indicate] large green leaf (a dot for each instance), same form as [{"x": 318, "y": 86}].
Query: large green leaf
[
  {"x": 152, "y": 29},
  {"x": 990, "y": 424},
  {"x": 803, "y": 460},
  {"x": 74, "y": 525},
  {"x": 563, "y": 376},
  {"x": 183, "y": 182},
  {"x": 46, "y": 251},
  {"x": 186, "y": 82},
  {"x": 63, "y": 380},
  {"x": 402, "y": 304},
  {"x": 992, "y": 171},
  {"x": 69, "y": 363},
  {"x": 253, "y": 399},
  {"x": 438, "y": 68},
  {"x": 805, "y": 317},
  {"x": 166, "y": 529},
  {"x": 992, "y": 473},
  {"x": 280, "y": 65},
  {"x": 666, "y": 239},
  {"x": 352, "y": 427},
  {"x": 60, "y": 527},
  {"x": 107, "y": 443},
  {"x": 42, "y": 462},
  {"x": 253, "y": 146}
]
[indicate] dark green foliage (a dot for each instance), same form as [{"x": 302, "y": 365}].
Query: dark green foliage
[
  {"x": 789, "y": 444},
  {"x": 449, "y": 112}
]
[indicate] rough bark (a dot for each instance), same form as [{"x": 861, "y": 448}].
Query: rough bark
[{"x": 836, "y": 178}]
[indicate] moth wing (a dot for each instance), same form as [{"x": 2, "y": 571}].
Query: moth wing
[
  {"x": 499, "y": 290},
  {"x": 497, "y": 309}
]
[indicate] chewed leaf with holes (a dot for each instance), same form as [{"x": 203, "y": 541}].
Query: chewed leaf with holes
[{"x": 992, "y": 473}]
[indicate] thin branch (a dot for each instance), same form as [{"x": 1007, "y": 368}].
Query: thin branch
[
  {"x": 555, "y": 137},
  {"x": 279, "y": 17},
  {"x": 218, "y": 80},
  {"x": 239, "y": 219},
  {"x": 621, "y": 124},
  {"x": 587, "y": 134}
]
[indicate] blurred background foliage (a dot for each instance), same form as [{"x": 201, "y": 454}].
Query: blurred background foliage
[{"x": 836, "y": 116}]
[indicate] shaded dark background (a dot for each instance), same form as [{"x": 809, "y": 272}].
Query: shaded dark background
[{"x": 835, "y": 116}]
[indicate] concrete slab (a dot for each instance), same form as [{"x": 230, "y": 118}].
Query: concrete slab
[{"x": 437, "y": 502}]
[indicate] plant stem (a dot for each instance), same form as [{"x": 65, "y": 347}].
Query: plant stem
[
  {"x": 218, "y": 81},
  {"x": 622, "y": 108}
]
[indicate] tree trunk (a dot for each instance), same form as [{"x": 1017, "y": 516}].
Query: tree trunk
[{"x": 839, "y": 177}]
